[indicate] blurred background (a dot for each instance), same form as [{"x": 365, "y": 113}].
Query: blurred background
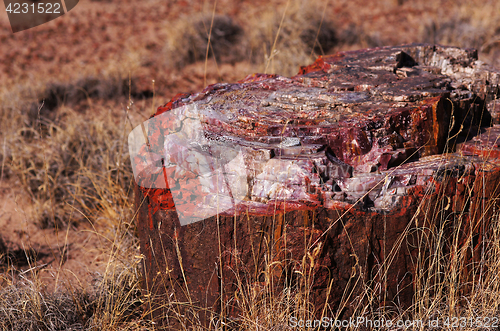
[
  {"x": 166, "y": 41},
  {"x": 72, "y": 89}
]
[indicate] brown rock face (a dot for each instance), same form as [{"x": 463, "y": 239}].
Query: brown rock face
[{"x": 325, "y": 172}]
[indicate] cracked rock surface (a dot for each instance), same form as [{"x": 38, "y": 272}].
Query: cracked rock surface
[{"x": 351, "y": 147}]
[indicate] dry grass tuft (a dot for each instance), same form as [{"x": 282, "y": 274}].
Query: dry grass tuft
[
  {"x": 472, "y": 25},
  {"x": 275, "y": 41},
  {"x": 24, "y": 307},
  {"x": 188, "y": 40},
  {"x": 113, "y": 304},
  {"x": 72, "y": 169},
  {"x": 118, "y": 298},
  {"x": 283, "y": 40},
  {"x": 69, "y": 165}
]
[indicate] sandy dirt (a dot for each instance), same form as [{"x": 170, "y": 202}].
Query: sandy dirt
[{"x": 72, "y": 256}]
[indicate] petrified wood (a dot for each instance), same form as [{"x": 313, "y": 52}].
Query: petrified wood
[{"x": 322, "y": 172}]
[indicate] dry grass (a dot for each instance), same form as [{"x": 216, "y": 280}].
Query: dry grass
[
  {"x": 70, "y": 166},
  {"x": 112, "y": 303},
  {"x": 75, "y": 170},
  {"x": 191, "y": 39},
  {"x": 275, "y": 42}
]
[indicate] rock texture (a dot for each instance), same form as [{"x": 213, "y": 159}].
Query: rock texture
[{"x": 326, "y": 172}]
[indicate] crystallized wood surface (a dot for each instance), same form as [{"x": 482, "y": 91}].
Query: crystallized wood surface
[
  {"x": 275, "y": 143},
  {"x": 335, "y": 163}
]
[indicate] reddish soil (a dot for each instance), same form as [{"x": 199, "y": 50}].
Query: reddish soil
[{"x": 60, "y": 257}]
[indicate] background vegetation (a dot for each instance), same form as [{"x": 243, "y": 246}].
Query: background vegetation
[{"x": 73, "y": 89}]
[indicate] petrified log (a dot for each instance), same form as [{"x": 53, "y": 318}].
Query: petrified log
[{"x": 325, "y": 172}]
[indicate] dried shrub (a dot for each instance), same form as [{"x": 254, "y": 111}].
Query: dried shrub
[
  {"x": 188, "y": 40},
  {"x": 24, "y": 307},
  {"x": 281, "y": 41},
  {"x": 456, "y": 31},
  {"x": 73, "y": 168}
]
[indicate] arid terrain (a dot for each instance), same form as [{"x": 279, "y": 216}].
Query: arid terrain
[{"x": 72, "y": 89}]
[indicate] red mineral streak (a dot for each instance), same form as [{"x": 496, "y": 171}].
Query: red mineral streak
[{"x": 486, "y": 144}]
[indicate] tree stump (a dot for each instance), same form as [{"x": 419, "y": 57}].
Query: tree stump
[{"x": 330, "y": 180}]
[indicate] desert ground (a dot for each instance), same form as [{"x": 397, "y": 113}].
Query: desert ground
[{"x": 72, "y": 89}]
